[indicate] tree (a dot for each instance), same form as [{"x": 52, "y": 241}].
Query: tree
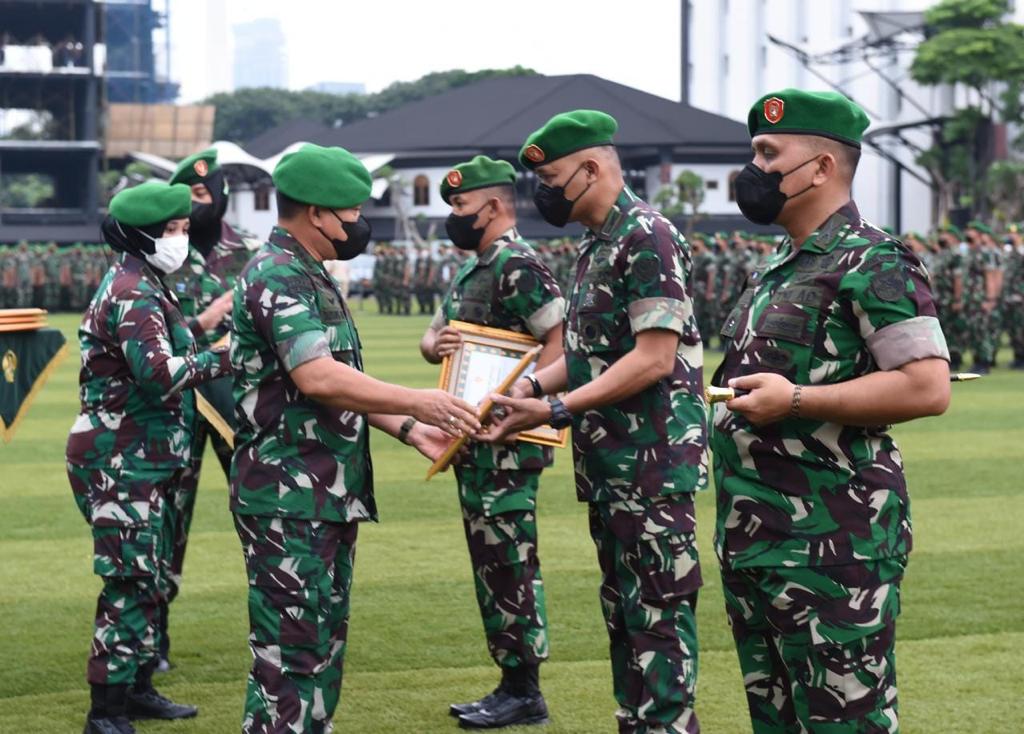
[
  {"x": 246, "y": 113},
  {"x": 969, "y": 43},
  {"x": 25, "y": 190},
  {"x": 682, "y": 198},
  {"x": 1004, "y": 184}
]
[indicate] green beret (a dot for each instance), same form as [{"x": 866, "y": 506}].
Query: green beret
[
  {"x": 980, "y": 226},
  {"x": 328, "y": 177},
  {"x": 953, "y": 230},
  {"x": 794, "y": 111},
  {"x": 196, "y": 167},
  {"x": 567, "y": 133},
  {"x": 479, "y": 173},
  {"x": 151, "y": 203}
]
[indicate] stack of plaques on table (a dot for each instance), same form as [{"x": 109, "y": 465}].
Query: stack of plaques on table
[{"x": 22, "y": 319}]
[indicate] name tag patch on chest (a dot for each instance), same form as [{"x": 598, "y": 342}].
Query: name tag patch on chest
[
  {"x": 792, "y": 327},
  {"x": 802, "y": 295}
]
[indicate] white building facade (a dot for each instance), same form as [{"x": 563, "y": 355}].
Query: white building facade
[{"x": 732, "y": 62}]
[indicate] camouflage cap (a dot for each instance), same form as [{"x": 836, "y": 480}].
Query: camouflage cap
[
  {"x": 150, "y": 203},
  {"x": 567, "y": 133},
  {"x": 196, "y": 167},
  {"x": 479, "y": 173},
  {"x": 799, "y": 112},
  {"x": 328, "y": 177}
]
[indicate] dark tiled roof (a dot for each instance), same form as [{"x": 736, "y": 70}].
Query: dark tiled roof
[{"x": 498, "y": 114}]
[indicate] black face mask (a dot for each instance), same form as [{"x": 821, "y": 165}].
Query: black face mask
[
  {"x": 461, "y": 231},
  {"x": 552, "y": 204},
  {"x": 358, "y": 233},
  {"x": 205, "y": 219},
  {"x": 758, "y": 194}
]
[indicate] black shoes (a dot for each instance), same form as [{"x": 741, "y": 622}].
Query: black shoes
[
  {"x": 507, "y": 709},
  {"x": 108, "y": 725},
  {"x": 151, "y": 705},
  {"x": 107, "y": 714},
  {"x": 458, "y": 709},
  {"x": 516, "y": 701},
  {"x": 144, "y": 702}
]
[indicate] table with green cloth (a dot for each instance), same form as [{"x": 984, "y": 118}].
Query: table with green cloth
[{"x": 27, "y": 358}]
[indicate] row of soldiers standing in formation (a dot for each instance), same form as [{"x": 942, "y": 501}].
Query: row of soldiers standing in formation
[
  {"x": 401, "y": 274},
  {"x": 977, "y": 277},
  {"x": 51, "y": 277}
]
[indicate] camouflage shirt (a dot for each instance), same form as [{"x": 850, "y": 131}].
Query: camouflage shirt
[
  {"x": 138, "y": 361},
  {"x": 631, "y": 276},
  {"x": 294, "y": 457},
  {"x": 802, "y": 492},
  {"x": 201, "y": 280},
  {"x": 506, "y": 287}
]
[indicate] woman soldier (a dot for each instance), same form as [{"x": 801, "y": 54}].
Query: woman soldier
[{"x": 132, "y": 440}]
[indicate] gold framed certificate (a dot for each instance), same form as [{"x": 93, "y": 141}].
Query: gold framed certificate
[{"x": 483, "y": 361}]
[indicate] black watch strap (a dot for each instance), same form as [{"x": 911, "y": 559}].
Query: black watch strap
[
  {"x": 403, "y": 432},
  {"x": 560, "y": 415}
]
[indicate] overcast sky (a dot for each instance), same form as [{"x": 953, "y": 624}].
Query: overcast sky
[{"x": 376, "y": 42}]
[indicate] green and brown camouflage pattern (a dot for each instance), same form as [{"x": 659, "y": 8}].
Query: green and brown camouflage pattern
[
  {"x": 505, "y": 287},
  {"x": 650, "y": 577},
  {"x": 138, "y": 362},
  {"x": 816, "y": 645},
  {"x": 300, "y": 583},
  {"x": 802, "y": 492},
  {"x": 632, "y": 275},
  {"x": 499, "y": 516},
  {"x": 294, "y": 457}
]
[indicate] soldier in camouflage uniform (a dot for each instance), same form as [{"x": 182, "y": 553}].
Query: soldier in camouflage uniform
[
  {"x": 948, "y": 288},
  {"x": 423, "y": 281},
  {"x": 1013, "y": 296},
  {"x": 703, "y": 287},
  {"x": 834, "y": 337},
  {"x": 301, "y": 479},
  {"x": 380, "y": 290},
  {"x": 216, "y": 256},
  {"x": 23, "y": 276},
  {"x": 982, "y": 281},
  {"x": 51, "y": 274},
  {"x": 633, "y": 369},
  {"x": 132, "y": 441},
  {"x": 504, "y": 286}
]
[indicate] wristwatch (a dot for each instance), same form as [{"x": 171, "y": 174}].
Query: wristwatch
[
  {"x": 535, "y": 383},
  {"x": 560, "y": 415}
]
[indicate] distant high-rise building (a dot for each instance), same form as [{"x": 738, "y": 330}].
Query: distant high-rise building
[
  {"x": 260, "y": 56},
  {"x": 338, "y": 87},
  {"x": 218, "y": 72}
]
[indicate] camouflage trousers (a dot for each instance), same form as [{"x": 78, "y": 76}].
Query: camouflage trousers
[
  {"x": 182, "y": 500},
  {"x": 300, "y": 581},
  {"x": 502, "y": 544},
  {"x": 650, "y": 575},
  {"x": 127, "y": 511},
  {"x": 954, "y": 328},
  {"x": 981, "y": 336},
  {"x": 816, "y": 646},
  {"x": 1013, "y": 320}
]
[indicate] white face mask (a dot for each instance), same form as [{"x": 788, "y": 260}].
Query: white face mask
[{"x": 170, "y": 254}]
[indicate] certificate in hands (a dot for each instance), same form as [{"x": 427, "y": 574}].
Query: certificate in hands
[{"x": 487, "y": 356}]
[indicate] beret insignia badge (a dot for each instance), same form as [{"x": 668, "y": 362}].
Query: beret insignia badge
[
  {"x": 454, "y": 178},
  {"x": 201, "y": 167},
  {"x": 534, "y": 154},
  {"x": 774, "y": 108}
]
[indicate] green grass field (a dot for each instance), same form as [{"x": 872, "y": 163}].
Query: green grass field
[{"x": 415, "y": 641}]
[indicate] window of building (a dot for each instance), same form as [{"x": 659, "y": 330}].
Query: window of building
[
  {"x": 711, "y": 185},
  {"x": 261, "y": 199},
  {"x": 421, "y": 191},
  {"x": 732, "y": 185}
]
